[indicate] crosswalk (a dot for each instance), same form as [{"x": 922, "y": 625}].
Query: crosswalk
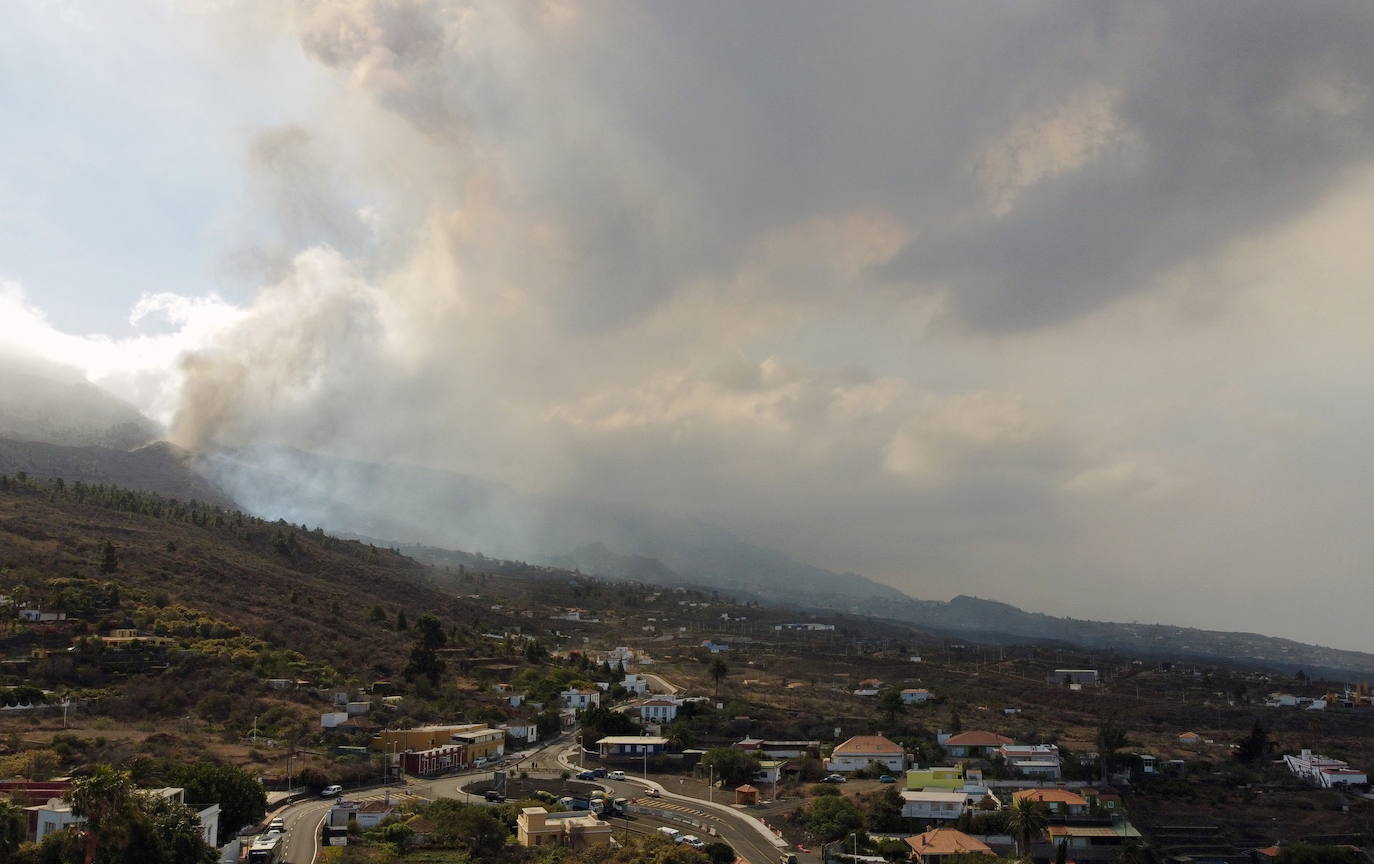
[{"x": 659, "y": 804}]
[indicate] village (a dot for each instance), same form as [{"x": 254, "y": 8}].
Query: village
[{"x": 587, "y": 713}]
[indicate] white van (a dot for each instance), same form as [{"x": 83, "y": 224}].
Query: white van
[
  {"x": 670, "y": 833},
  {"x": 617, "y": 775}
]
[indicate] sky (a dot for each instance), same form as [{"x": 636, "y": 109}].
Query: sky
[{"x": 1059, "y": 303}]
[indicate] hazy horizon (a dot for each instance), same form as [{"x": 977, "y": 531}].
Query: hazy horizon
[{"x": 1062, "y": 304}]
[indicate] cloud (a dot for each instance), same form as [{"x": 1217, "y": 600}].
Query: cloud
[
  {"x": 141, "y": 369},
  {"x": 1022, "y": 301}
]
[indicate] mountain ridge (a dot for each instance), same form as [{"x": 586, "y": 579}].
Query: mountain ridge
[{"x": 698, "y": 554}]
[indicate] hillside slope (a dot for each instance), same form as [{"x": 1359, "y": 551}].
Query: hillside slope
[
  {"x": 159, "y": 467},
  {"x": 296, "y": 589},
  {"x": 991, "y": 621},
  {"x": 42, "y": 402},
  {"x": 413, "y": 505}
]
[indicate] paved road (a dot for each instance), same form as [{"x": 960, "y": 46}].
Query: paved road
[
  {"x": 737, "y": 829},
  {"x": 303, "y": 820}
]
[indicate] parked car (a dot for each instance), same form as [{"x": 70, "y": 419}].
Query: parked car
[
  {"x": 493, "y": 795},
  {"x": 617, "y": 775},
  {"x": 835, "y": 778},
  {"x": 887, "y": 778},
  {"x": 692, "y": 840},
  {"x": 598, "y": 772},
  {"x": 586, "y": 775},
  {"x": 332, "y": 791}
]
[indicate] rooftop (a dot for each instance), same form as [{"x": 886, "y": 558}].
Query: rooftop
[
  {"x": 633, "y": 739},
  {"x": 978, "y": 738},
  {"x": 867, "y": 744},
  {"x": 947, "y": 841},
  {"x": 1048, "y": 796},
  {"x": 934, "y": 795},
  {"x": 1123, "y": 830}
]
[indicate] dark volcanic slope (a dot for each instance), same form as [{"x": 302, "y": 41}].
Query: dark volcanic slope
[
  {"x": 160, "y": 467},
  {"x": 302, "y": 590}
]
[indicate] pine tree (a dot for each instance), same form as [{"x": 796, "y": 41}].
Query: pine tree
[{"x": 109, "y": 561}]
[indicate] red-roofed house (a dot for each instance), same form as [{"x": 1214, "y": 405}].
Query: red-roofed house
[
  {"x": 932, "y": 846},
  {"x": 974, "y": 743},
  {"x": 1060, "y": 801},
  {"x": 856, "y": 753}
]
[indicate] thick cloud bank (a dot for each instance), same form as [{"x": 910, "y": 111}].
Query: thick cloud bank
[{"x": 1060, "y": 303}]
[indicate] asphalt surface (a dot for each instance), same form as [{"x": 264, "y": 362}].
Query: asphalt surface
[{"x": 689, "y": 816}]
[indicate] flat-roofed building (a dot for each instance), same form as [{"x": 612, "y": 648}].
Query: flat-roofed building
[
  {"x": 576, "y": 829},
  {"x": 935, "y": 804},
  {"x": 631, "y": 746},
  {"x": 419, "y": 737}
]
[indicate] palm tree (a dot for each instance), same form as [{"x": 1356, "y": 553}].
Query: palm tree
[
  {"x": 718, "y": 673},
  {"x": 105, "y": 799},
  {"x": 1026, "y": 819},
  {"x": 12, "y": 828}
]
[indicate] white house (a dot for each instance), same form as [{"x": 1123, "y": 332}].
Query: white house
[
  {"x": 770, "y": 771},
  {"x": 856, "y": 754},
  {"x": 658, "y": 711},
  {"x": 52, "y": 816},
  {"x": 636, "y": 683},
  {"x": 38, "y": 615},
  {"x": 915, "y": 695},
  {"x": 521, "y": 733},
  {"x": 56, "y": 815},
  {"x": 1323, "y": 770},
  {"x": 1032, "y": 760},
  {"x": 368, "y": 814},
  {"x": 581, "y": 699},
  {"x": 935, "y": 804}
]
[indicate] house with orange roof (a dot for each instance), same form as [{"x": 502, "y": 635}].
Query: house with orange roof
[
  {"x": 856, "y": 754},
  {"x": 973, "y": 743},
  {"x": 934, "y": 845},
  {"x": 1190, "y": 738},
  {"x": 1058, "y": 801}
]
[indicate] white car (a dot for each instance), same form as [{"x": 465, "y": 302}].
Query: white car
[
  {"x": 617, "y": 775},
  {"x": 692, "y": 840},
  {"x": 277, "y": 826},
  {"x": 332, "y": 791}
]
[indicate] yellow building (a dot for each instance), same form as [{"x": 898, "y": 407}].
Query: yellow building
[
  {"x": 576, "y": 830},
  {"x": 419, "y": 738},
  {"x": 481, "y": 742}
]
